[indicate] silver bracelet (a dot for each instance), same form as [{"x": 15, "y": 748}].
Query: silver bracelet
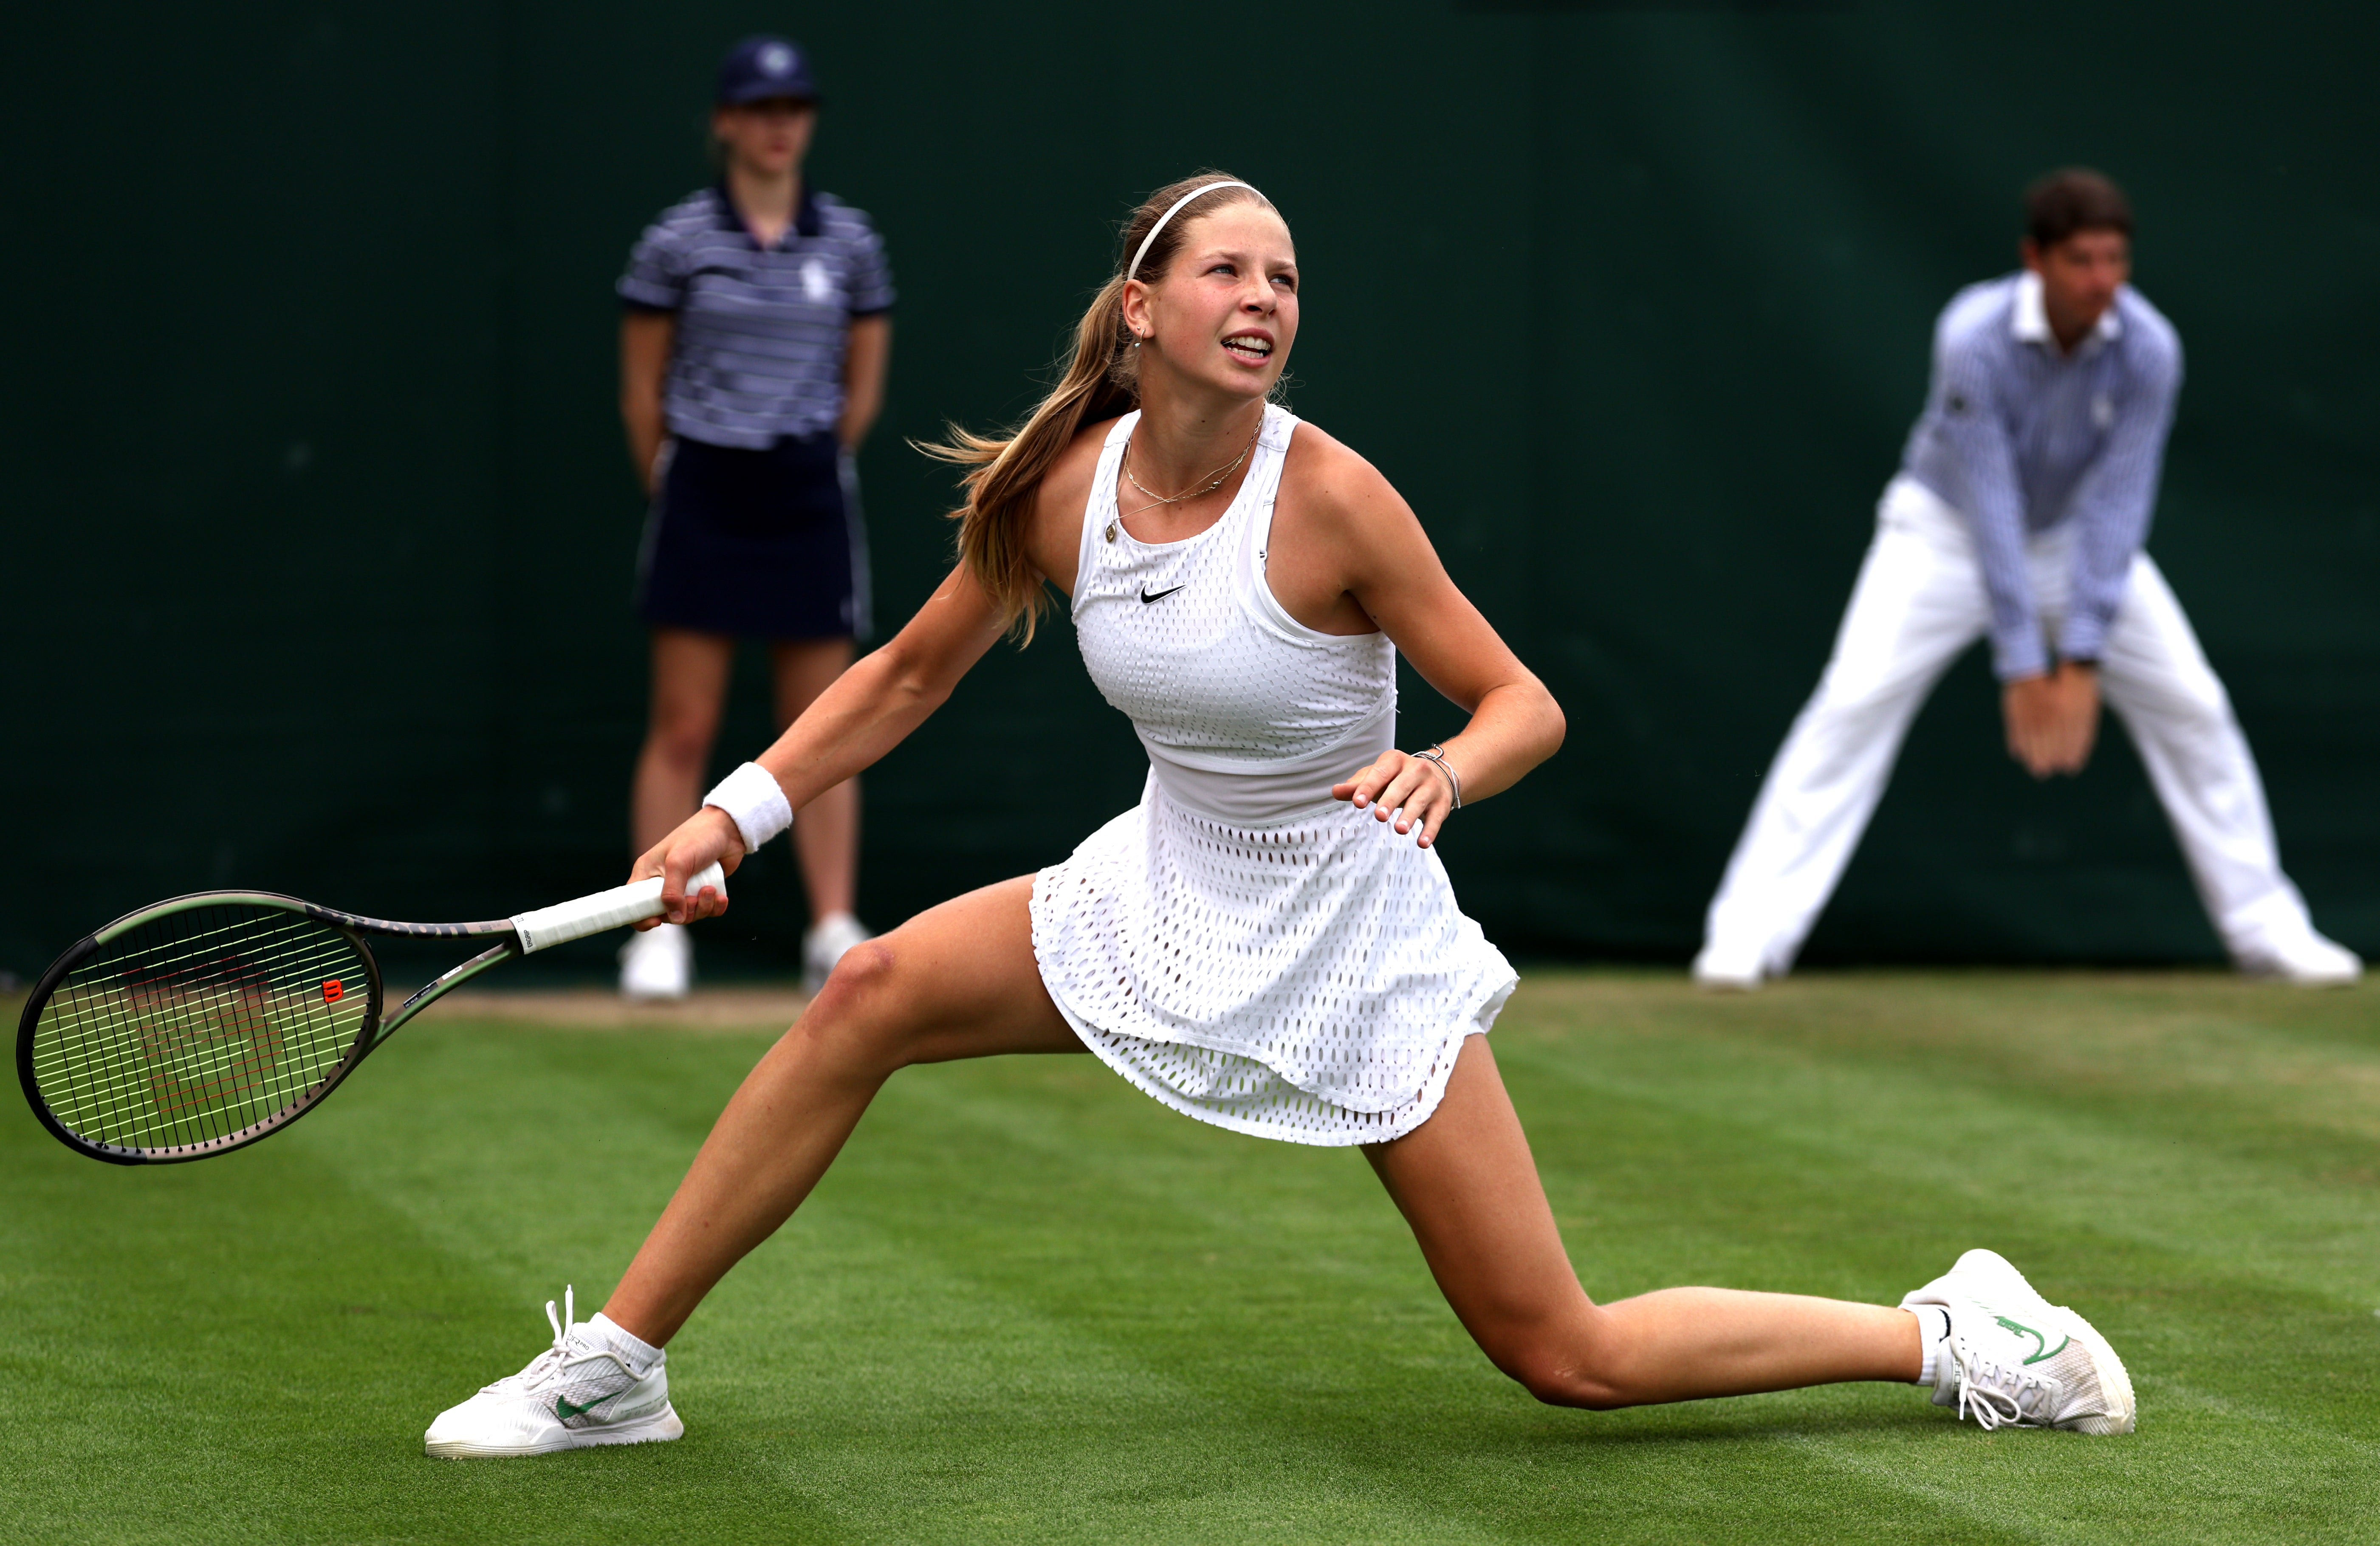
[{"x": 1436, "y": 754}]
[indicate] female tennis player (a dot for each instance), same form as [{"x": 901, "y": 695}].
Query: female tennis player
[
  {"x": 1268, "y": 941},
  {"x": 752, "y": 364}
]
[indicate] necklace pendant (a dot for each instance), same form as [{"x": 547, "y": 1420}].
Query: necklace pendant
[{"x": 1112, "y": 528}]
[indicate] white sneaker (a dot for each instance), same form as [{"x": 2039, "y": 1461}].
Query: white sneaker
[
  {"x": 2016, "y": 1359},
  {"x": 581, "y": 1392},
  {"x": 2308, "y": 961},
  {"x": 826, "y": 943},
  {"x": 1727, "y": 971},
  {"x": 658, "y": 964}
]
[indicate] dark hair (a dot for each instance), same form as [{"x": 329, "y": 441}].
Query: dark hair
[
  {"x": 1100, "y": 380},
  {"x": 2074, "y": 199}
]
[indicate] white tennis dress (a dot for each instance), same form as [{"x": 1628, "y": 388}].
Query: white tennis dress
[{"x": 1240, "y": 944}]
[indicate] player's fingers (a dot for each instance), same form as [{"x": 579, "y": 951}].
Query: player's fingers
[
  {"x": 1439, "y": 810},
  {"x": 1441, "y": 806},
  {"x": 673, "y": 873},
  {"x": 1424, "y": 812},
  {"x": 1436, "y": 804},
  {"x": 1373, "y": 781},
  {"x": 1398, "y": 792},
  {"x": 1420, "y": 796},
  {"x": 683, "y": 861}
]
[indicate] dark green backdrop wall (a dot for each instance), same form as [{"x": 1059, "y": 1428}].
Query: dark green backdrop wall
[{"x": 318, "y": 530}]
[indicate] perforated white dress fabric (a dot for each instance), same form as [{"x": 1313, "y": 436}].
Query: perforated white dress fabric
[{"x": 1239, "y": 945}]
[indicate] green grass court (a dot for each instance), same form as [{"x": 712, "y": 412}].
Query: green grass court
[{"x": 1032, "y": 1305}]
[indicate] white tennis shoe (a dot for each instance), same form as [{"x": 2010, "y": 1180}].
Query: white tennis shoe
[
  {"x": 2017, "y": 1360},
  {"x": 658, "y": 964},
  {"x": 579, "y": 1393},
  {"x": 826, "y": 943}
]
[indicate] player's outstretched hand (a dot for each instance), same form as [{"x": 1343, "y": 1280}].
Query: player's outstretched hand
[
  {"x": 707, "y": 836},
  {"x": 1404, "y": 789}
]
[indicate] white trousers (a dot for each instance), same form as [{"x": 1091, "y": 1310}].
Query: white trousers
[{"x": 1919, "y": 604}]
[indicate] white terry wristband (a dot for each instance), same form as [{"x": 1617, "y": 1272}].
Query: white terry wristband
[{"x": 756, "y": 804}]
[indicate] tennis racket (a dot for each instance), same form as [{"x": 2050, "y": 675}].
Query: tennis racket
[{"x": 202, "y": 1024}]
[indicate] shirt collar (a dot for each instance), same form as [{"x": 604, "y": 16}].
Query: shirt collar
[
  {"x": 2029, "y": 319},
  {"x": 807, "y": 220}
]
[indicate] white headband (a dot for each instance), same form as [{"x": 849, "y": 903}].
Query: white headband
[{"x": 1168, "y": 214}]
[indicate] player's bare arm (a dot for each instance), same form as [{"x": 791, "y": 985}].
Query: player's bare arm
[
  {"x": 868, "y": 710},
  {"x": 1348, "y": 555},
  {"x": 884, "y": 697}
]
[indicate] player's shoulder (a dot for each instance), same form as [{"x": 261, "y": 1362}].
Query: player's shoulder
[
  {"x": 1066, "y": 482},
  {"x": 1326, "y": 478},
  {"x": 1978, "y": 318},
  {"x": 1090, "y": 439}
]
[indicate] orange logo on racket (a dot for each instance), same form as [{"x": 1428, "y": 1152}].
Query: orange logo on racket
[{"x": 332, "y": 991}]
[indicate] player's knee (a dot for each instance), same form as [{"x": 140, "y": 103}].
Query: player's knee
[
  {"x": 860, "y": 983},
  {"x": 1571, "y": 1362},
  {"x": 858, "y": 1006},
  {"x": 1560, "y": 1378}
]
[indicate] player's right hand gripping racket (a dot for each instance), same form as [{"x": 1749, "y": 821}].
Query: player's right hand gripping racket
[{"x": 199, "y": 1025}]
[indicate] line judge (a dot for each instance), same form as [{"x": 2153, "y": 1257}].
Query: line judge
[{"x": 2019, "y": 509}]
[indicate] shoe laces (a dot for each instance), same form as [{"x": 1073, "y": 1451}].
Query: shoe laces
[
  {"x": 548, "y": 1363},
  {"x": 1994, "y": 1394}
]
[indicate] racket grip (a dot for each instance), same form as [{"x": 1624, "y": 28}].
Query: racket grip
[{"x": 632, "y": 904}]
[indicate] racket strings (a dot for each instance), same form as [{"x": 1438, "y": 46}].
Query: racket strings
[{"x": 197, "y": 1024}]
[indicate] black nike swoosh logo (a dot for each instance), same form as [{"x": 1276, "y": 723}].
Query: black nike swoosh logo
[{"x": 1161, "y": 595}]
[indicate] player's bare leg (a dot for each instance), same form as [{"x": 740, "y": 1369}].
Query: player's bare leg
[
  {"x": 1467, "y": 1184},
  {"x": 958, "y": 981}
]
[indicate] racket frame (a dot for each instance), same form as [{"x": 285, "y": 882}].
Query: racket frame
[
  {"x": 371, "y": 1032},
  {"x": 517, "y": 936}
]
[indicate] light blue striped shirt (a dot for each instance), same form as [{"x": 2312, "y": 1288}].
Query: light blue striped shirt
[{"x": 2020, "y": 439}]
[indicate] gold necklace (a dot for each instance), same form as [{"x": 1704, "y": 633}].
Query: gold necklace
[{"x": 1156, "y": 498}]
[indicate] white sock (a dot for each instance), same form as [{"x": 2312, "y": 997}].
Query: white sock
[
  {"x": 641, "y": 1355},
  {"x": 1934, "y": 1333}
]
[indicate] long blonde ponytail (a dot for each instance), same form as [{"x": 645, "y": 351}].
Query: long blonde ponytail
[{"x": 1100, "y": 382}]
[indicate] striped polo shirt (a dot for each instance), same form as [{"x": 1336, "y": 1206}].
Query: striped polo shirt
[
  {"x": 2020, "y": 437},
  {"x": 760, "y": 331}
]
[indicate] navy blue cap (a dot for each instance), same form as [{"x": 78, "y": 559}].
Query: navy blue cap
[{"x": 761, "y": 67}]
